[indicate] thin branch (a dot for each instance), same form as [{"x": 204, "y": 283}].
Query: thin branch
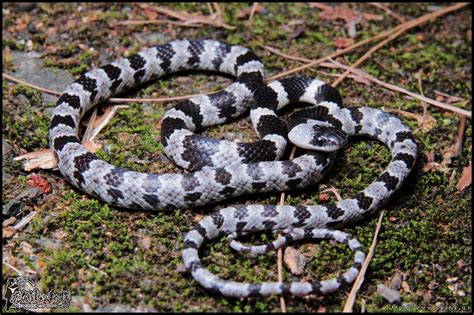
[
  {"x": 20, "y": 273},
  {"x": 13, "y": 79},
  {"x": 158, "y": 22},
  {"x": 417, "y": 21},
  {"x": 366, "y": 56},
  {"x": 360, "y": 278},
  {"x": 457, "y": 110},
  {"x": 113, "y": 99},
  {"x": 364, "y": 75},
  {"x": 458, "y": 145},
  {"x": 388, "y": 11},
  {"x": 254, "y": 7},
  {"x": 280, "y": 250}
]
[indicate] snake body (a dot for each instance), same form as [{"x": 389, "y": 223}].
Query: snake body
[{"x": 223, "y": 169}]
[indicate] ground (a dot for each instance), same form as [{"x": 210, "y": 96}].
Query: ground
[{"x": 112, "y": 259}]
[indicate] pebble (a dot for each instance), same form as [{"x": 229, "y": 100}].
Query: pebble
[{"x": 390, "y": 295}]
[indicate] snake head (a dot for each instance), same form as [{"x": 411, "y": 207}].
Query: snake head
[{"x": 318, "y": 136}]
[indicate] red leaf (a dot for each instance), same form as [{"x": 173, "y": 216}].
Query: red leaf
[
  {"x": 39, "y": 182},
  {"x": 341, "y": 42},
  {"x": 466, "y": 178}
]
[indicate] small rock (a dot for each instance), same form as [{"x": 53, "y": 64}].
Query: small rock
[
  {"x": 390, "y": 295},
  {"x": 396, "y": 281},
  {"x": 294, "y": 261}
]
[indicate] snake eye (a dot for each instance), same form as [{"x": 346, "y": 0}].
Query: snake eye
[{"x": 328, "y": 138}]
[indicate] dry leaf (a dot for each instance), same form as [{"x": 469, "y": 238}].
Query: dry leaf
[
  {"x": 146, "y": 242},
  {"x": 39, "y": 182},
  {"x": 406, "y": 287},
  {"x": 198, "y": 217},
  {"x": 296, "y": 33},
  {"x": 247, "y": 11},
  {"x": 294, "y": 261},
  {"x": 9, "y": 221},
  {"x": 92, "y": 146},
  {"x": 43, "y": 159},
  {"x": 8, "y": 232},
  {"x": 341, "y": 42},
  {"x": 466, "y": 178},
  {"x": 324, "y": 197},
  {"x": 150, "y": 14},
  {"x": 59, "y": 234}
]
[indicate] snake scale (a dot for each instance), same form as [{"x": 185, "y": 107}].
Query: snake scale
[{"x": 221, "y": 169}]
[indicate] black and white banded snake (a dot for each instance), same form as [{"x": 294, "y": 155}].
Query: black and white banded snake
[{"x": 219, "y": 169}]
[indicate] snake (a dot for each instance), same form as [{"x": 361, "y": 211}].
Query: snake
[{"x": 220, "y": 169}]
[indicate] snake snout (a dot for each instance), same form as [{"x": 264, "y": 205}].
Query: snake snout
[{"x": 314, "y": 136}]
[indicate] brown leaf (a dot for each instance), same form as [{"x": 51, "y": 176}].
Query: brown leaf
[
  {"x": 406, "y": 287},
  {"x": 466, "y": 178},
  {"x": 247, "y": 11},
  {"x": 39, "y": 182},
  {"x": 59, "y": 234},
  {"x": 146, "y": 242},
  {"x": 150, "y": 14},
  {"x": 198, "y": 217},
  {"x": 296, "y": 33},
  {"x": 9, "y": 221},
  {"x": 294, "y": 261},
  {"x": 341, "y": 42},
  {"x": 324, "y": 197},
  {"x": 8, "y": 232},
  {"x": 341, "y": 12},
  {"x": 92, "y": 146}
]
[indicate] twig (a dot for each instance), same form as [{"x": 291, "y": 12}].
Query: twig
[
  {"x": 280, "y": 251},
  {"x": 458, "y": 145},
  {"x": 389, "y": 86},
  {"x": 417, "y": 21},
  {"x": 254, "y": 7},
  {"x": 161, "y": 21},
  {"x": 366, "y": 56},
  {"x": 405, "y": 26},
  {"x": 360, "y": 278},
  {"x": 97, "y": 269},
  {"x": 20, "y": 273},
  {"x": 113, "y": 99},
  {"x": 366, "y": 76},
  {"x": 13, "y": 79},
  {"x": 388, "y": 11}
]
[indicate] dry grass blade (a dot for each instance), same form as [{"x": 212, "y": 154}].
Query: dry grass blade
[
  {"x": 360, "y": 278},
  {"x": 366, "y": 56},
  {"x": 13, "y": 79},
  {"x": 388, "y": 11},
  {"x": 362, "y": 75},
  {"x": 280, "y": 250},
  {"x": 113, "y": 99},
  {"x": 214, "y": 19},
  {"x": 406, "y": 25},
  {"x": 392, "y": 87}
]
